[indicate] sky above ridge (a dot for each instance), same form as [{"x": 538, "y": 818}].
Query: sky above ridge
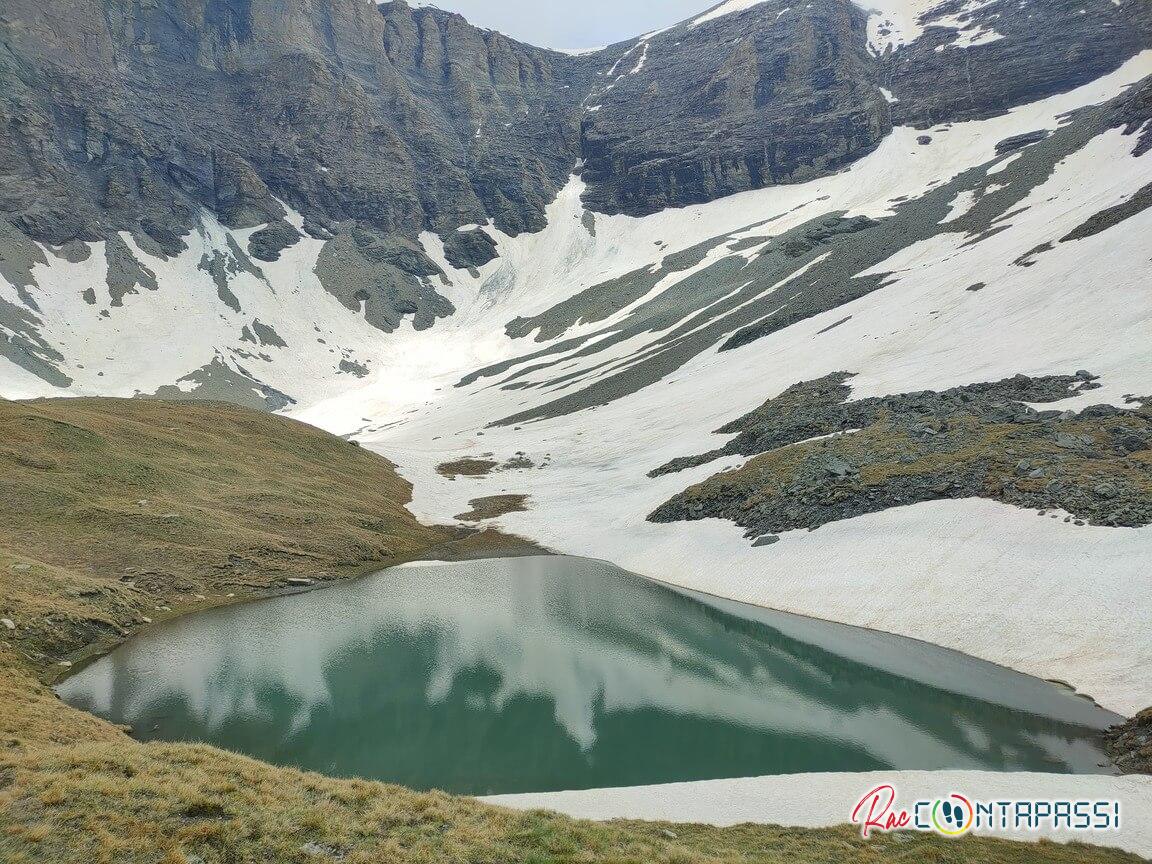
[{"x": 576, "y": 24}]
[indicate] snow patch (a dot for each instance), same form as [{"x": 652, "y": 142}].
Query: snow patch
[
  {"x": 643, "y": 59},
  {"x": 968, "y": 32},
  {"x": 728, "y": 8},
  {"x": 894, "y": 23},
  {"x": 581, "y": 52},
  {"x": 157, "y": 337}
]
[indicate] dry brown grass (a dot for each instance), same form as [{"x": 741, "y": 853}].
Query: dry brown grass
[
  {"x": 76, "y": 789},
  {"x": 116, "y": 509},
  {"x": 119, "y": 802},
  {"x": 283, "y": 499}
]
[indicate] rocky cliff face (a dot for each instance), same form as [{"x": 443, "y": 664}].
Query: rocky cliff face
[
  {"x": 134, "y": 115},
  {"x": 373, "y": 123},
  {"x": 509, "y": 112},
  {"x": 778, "y": 93},
  {"x": 976, "y": 58},
  {"x": 232, "y": 130},
  {"x": 121, "y": 115},
  {"x": 746, "y": 100}
]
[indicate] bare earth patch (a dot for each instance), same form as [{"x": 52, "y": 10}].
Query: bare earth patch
[
  {"x": 466, "y": 468},
  {"x": 491, "y": 506}
]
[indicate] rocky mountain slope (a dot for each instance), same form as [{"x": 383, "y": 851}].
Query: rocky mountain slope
[
  {"x": 920, "y": 225},
  {"x": 968, "y": 306},
  {"x": 146, "y": 119},
  {"x": 146, "y": 144}
]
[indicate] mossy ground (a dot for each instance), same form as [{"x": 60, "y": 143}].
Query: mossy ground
[
  {"x": 1130, "y": 744},
  {"x": 261, "y": 499}
]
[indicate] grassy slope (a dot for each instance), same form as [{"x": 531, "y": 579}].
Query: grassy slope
[
  {"x": 114, "y": 508},
  {"x": 237, "y": 503}
]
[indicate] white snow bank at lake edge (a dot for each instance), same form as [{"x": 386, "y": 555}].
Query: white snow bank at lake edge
[{"x": 823, "y": 800}]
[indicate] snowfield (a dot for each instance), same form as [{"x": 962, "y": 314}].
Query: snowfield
[
  {"x": 1049, "y": 598},
  {"x": 894, "y": 23},
  {"x": 727, "y": 8},
  {"x": 157, "y": 337}
]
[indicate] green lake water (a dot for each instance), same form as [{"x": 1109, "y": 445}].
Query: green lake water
[{"x": 547, "y": 673}]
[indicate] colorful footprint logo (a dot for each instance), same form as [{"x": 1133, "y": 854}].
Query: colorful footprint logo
[{"x": 953, "y": 816}]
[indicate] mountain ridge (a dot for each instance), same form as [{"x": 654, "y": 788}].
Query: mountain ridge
[
  {"x": 405, "y": 77},
  {"x": 303, "y": 180}
]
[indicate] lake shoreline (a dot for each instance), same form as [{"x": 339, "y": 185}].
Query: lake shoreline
[
  {"x": 470, "y": 546},
  {"x": 484, "y": 544},
  {"x": 822, "y": 800},
  {"x": 580, "y": 652}
]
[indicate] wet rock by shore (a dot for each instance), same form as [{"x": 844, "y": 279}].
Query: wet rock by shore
[{"x": 1130, "y": 744}]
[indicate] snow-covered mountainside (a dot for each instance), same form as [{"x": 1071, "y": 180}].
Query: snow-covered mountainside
[
  {"x": 823, "y": 307},
  {"x": 591, "y": 354}
]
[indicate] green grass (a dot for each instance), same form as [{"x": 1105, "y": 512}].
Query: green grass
[{"x": 261, "y": 499}]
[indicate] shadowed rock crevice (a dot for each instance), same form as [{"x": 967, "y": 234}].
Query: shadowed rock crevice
[{"x": 819, "y": 458}]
